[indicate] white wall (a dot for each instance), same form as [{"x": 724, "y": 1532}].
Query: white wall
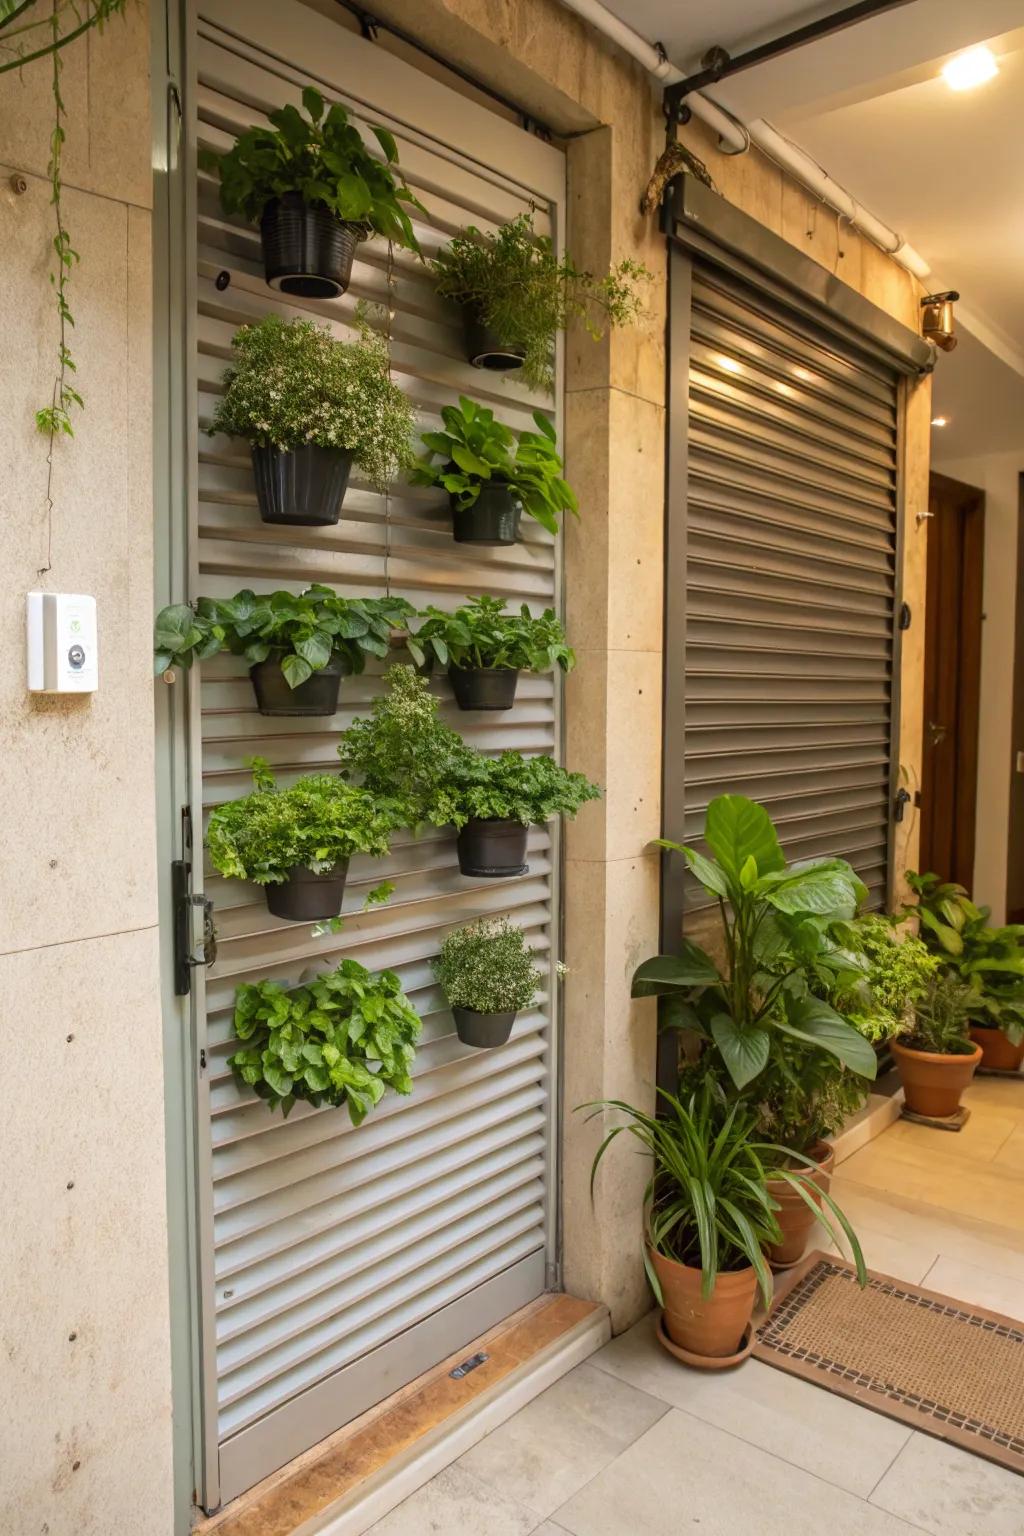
[{"x": 998, "y": 476}]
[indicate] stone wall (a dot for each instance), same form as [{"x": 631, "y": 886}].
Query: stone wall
[{"x": 85, "y": 1445}]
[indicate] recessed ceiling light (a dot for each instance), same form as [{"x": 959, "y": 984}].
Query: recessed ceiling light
[
  {"x": 970, "y": 69},
  {"x": 939, "y": 421}
]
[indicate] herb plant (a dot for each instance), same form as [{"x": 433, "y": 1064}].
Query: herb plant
[
  {"x": 899, "y": 972},
  {"x": 707, "y": 1204},
  {"x": 481, "y": 634},
  {"x": 322, "y": 156},
  {"x": 293, "y": 383},
  {"x": 775, "y": 922},
  {"x": 942, "y": 1017},
  {"x": 488, "y": 967},
  {"x": 315, "y": 824},
  {"x": 344, "y": 1038},
  {"x": 524, "y": 292},
  {"x": 303, "y": 632},
  {"x": 530, "y": 790},
  {"x": 988, "y": 960},
  {"x": 475, "y": 450}
]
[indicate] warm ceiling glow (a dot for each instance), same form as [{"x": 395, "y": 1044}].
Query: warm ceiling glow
[
  {"x": 939, "y": 421},
  {"x": 970, "y": 69}
]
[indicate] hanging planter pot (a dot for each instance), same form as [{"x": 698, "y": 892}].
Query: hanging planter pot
[
  {"x": 318, "y": 695},
  {"x": 483, "y": 1030},
  {"x": 485, "y": 348},
  {"x": 493, "y": 849},
  {"x": 484, "y": 687},
  {"x": 492, "y": 519},
  {"x": 306, "y": 896},
  {"x": 301, "y": 486},
  {"x": 307, "y": 250}
]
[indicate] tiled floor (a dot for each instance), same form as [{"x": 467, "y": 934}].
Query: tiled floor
[{"x": 632, "y": 1444}]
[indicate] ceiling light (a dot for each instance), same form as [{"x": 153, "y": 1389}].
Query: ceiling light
[
  {"x": 970, "y": 69},
  {"x": 940, "y": 421}
]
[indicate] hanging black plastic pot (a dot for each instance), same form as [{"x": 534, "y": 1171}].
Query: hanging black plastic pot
[
  {"x": 485, "y": 348},
  {"x": 307, "y": 250},
  {"x": 492, "y": 519},
  {"x": 318, "y": 695},
  {"x": 484, "y": 1030},
  {"x": 484, "y": 687},
  {"x": 301, "y": 486},
  {"x": 493, "y": 848},
  {"x": 307, "y": 897}
]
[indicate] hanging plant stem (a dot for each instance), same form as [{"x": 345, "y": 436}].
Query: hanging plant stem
[{"x": 56, "y": 417}]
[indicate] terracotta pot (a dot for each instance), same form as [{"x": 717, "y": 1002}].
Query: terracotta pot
[
  {"x": 794, "y": 1215},
  {"x": 997, "y": 1054},
  {"x": 713, "y": 1328},
  {"x": 933, "y": 1083}
]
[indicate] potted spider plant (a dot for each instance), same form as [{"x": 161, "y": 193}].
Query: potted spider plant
[
  {"x": 709, "y": 1216},
  {"x": 517, "y": 293},
  {"x": 487, "y": 974},
  {"x": 485, "y": 649},
  {"x": 297, "y": 842},
  {"x": 492, "y": 477},
  {"x": 310, "y": 408},
  {"x": 311, "y": 183},
  {"x": 298, "y": 647}
]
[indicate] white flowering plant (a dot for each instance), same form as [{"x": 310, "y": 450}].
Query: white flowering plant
[
  {"x": 488, "y": 967},
  {"x": 293, "y": 383}
]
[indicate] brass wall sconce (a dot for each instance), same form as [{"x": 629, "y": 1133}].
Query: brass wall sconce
[{"x": 937, "y": 321}]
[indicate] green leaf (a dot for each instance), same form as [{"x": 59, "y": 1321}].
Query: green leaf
[
  {"x": 813, "y": 1021},
  {"x": 316, "y": 649},
  {"x": 951, "y": 941},
  {"x": 313, "y": 102},
  {"x": 386, "y": 141},
  {"x": 737, "y": 829},
  {"x": 692, "y": 967},
  {"x": 744, "y": 1051},
  {"x": 296, "y": 670},
  {"x": 711, "y": 876}
]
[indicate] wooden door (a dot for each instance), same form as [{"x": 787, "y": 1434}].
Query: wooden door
[
  {"x": 1015, "y": 850},
  {"x": 952, "y": 678}
]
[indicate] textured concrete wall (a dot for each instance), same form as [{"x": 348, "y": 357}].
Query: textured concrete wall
[{"x": 85, "y": 1444}]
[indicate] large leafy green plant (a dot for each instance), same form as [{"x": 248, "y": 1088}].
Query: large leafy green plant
[
  {"x": 707, "y": 1203},
  {"x": 315, "y": 824},
  {"x": 511, "y": 787},
  {"x": 303, "y": 631},
  {"x": 323, "y": 157},
  {"x": 775, "y": 919},
  {"x": 989, "y": 960},
  {"x": 488, "y": 966},
  {"x": 475, "y": 450},
  {"x": 292, "y": 383},
  {"x": 344, "y": 1038},
  {"x": 525, "y": 292},
  {"x": 482, "y": 634}
]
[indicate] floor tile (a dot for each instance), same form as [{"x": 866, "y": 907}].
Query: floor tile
[
  {"x": 1011, "y": 1154},
  {"x": 563, "y": 1438},
  {"x": 902, "y": 1258},
  {"x": 950, "y": 1492},
  {"x": 1004, "y": 1095},
  {"x": 981, "y": 1139},
  {"x": 455, "y": 1501},
  {"x": 813, "y": 1429},
  {"x": 684, "y": 1475},
  {"x": 980, "y": 1288},
  {"x": 929, "y": 1227},
  {"x": 928, "y": 1174}
]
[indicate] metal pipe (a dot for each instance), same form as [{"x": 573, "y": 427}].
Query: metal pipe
[{"x": 736, "y": 137}]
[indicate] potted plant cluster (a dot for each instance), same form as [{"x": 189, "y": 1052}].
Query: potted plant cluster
[
  {"x": 492, "y": 476},
  {"x": 487, "y": 973},
  {"x": 310, "y": 407},
  {"x": 501, "y": 798},
  {"x": 297, "y": 842},
  {"x": 315, "y": 189},
  {"x": 710, "y": 1217},
  {"x": 516, "y": 293},
  {"x": 937, "y": 1059},
  {"x": 485, "y": 649},
  {"x": 989, "y": 960},
  {"x": 298, "y": 646},
  {"x": 344, "y": 1038}
]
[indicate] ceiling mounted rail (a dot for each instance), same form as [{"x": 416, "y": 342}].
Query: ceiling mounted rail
[{"x": 719, "y": 65}]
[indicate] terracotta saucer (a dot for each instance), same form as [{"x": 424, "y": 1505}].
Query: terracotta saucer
[{"x": 707, "y": 1362}]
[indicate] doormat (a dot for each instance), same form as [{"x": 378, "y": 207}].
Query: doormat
[{"x": 949, "y": 1369}]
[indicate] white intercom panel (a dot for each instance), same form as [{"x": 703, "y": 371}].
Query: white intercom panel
[{"x": 62, "y": 643}]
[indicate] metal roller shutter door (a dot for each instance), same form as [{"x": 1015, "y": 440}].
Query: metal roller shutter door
[
  {"x": 337, "y": 1263},
  {"x": 791, "y": 539}
]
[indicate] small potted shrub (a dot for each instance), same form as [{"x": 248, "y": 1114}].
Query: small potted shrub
[
  {"x": 516, "y": 293},
  {"x": 500, "y": 798},
  {"x": 492, "y": 477},
  {"x": 709, "y": 1217},
  {"x": 485, "y": 649},
  {"x": 310, "y": 407},
  {"x": 937, "y": 1059},
  {"x": 344, "y": 1038},
  {"x": 297, "y": 842},
  {"x": 298, "y": 647},
  {"x": 487, "y": 973},
  {"x": 315, "y": 190}
]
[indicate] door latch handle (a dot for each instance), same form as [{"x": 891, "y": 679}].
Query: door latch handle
[{"x": 186, "y": 955}]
